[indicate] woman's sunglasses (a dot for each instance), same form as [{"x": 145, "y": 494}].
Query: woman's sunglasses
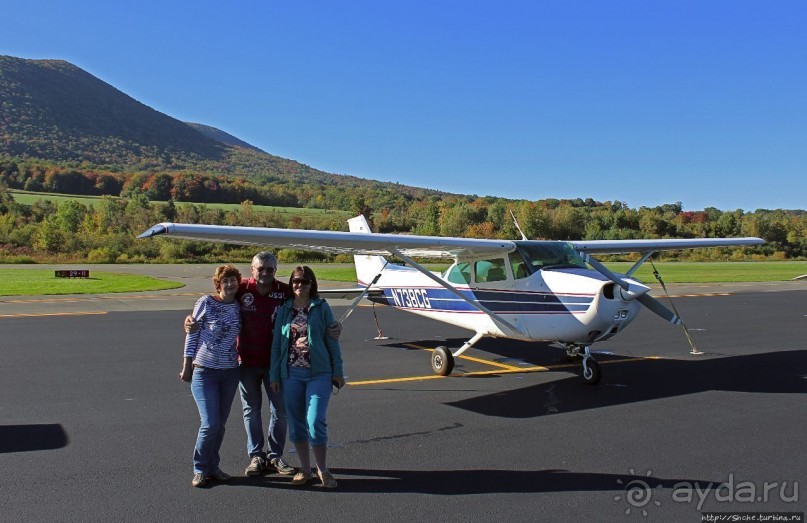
[{"x": 300, "y": 281}]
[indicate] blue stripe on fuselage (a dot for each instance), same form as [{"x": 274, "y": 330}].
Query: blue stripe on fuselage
[{"x": 501, "y": 302}]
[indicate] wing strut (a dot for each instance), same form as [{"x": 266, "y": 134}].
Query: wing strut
[
  {"x": 646, "y": 256},
  {"x": 493, "y": 316},
  {"x": 362, "y": 295}
]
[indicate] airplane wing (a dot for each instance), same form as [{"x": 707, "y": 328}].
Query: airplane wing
[
  {"x": 621, "y": 246},
  {"x": 335, "y": 242}
]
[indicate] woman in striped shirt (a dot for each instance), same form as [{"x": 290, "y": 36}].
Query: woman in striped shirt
[{"x": 211, "y": 366}]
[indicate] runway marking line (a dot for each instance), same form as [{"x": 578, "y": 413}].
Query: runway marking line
[
  {"x": 36, "y": 315},
  {"x": 503, "y": 369}
]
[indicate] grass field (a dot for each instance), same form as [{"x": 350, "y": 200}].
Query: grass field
[
  {"x": 715, "y": 272},
  {"x": 33, "y": 281},
  {"x": 29, "y": 198},
  {"x": 671, "y": 272}
]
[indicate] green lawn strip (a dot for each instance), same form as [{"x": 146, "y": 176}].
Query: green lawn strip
[
  {"x": 324, "y": 273},
  {"x": 36, "y": 282},
  {"x": 29, "y": 198},
  {"x": 671, "y": 272},
  {"x": 715, "y": 272},
  {"x": 338, "y": 272}
]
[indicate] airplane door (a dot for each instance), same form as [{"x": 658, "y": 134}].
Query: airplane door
[
  {"x": 494, "y": 284},
  {"x": 492, "y": 274}
]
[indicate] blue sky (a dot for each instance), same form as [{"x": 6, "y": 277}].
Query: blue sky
[{"x": 699, "y": 102}]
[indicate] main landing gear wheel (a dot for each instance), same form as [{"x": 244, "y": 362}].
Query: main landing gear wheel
[
  {"x": 442, "y": 361},
  {"x": 591, "y": 371}
]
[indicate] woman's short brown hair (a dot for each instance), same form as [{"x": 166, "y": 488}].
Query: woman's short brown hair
[
  {"x": 225, "y": 271},
  {"x": 306, "y": 272}
]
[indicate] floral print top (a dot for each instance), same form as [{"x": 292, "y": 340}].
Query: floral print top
[{"x": 298, "y": 341}]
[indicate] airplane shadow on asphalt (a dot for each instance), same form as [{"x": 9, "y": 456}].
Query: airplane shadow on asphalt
[
  {"x": 627, "y": 380},
  {"x": 26, "y": 438}
]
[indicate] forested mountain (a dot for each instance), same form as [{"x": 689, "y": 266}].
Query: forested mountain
[
  {"x": 221, "y": 136},
  {"x": 62, "y": 130},
  {"x": 55, "y": 111}
]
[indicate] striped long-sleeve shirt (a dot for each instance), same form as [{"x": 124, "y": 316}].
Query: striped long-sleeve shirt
[{"x": 213, "y": 345}]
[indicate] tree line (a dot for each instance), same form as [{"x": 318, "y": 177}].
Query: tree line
[{"x": 107, "y": 231}]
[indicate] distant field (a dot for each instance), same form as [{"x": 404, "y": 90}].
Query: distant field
[
  {"x": 28, "y": 198},
  {"x": 671, "y": 272},
  {"x": 35, "y": 282},
  {"x": 712, "y": 272}
]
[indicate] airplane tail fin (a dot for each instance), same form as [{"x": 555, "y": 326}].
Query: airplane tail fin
[{"x": 367, "y": 267}]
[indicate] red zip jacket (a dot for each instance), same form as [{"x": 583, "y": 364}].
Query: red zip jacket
[{"x": 258, "y": 321}]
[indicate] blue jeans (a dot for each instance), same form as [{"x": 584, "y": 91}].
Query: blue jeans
[
  {"x": 213, "y": 390},
  {"x": 307, "y": 399},
  {"x": 251, "y": 399}
]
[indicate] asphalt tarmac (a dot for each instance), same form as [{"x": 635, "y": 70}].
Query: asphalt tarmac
[{"x": 95, "y": 425}]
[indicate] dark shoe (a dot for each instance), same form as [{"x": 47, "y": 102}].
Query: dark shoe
[
  {"x": 282, "y": 467},
  {"x": 220, "y": 475},
  {"x": 256, "y": 467},
  {"x": 199, "y": 480},
  {"x": 328, "y": 481}
]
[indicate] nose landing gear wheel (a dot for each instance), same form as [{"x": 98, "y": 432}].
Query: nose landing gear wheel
[
  {"x": 591, "y": 371},
  {"x": 442, "y": 361}
]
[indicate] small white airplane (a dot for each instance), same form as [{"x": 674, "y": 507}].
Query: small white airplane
[{"x": 524, "y": 289}]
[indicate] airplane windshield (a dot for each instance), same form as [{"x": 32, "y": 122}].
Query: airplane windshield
[{"x": 549, "y": 255}]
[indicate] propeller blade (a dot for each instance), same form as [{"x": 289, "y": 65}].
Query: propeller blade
[{"x": 658, "y": 308}]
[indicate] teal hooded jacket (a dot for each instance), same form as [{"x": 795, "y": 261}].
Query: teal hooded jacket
[{"x": 326, "y": 354}]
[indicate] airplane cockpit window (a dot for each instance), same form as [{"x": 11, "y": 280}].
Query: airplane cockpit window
[
  {"x": 460, "y": 273},
  {"x": 518, "y": 265},
  {"x": 490, "y": 270},
  {"x": 549, "y": 255}
]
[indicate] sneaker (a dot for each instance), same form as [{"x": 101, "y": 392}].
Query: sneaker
[
  {"x": 199, "y": 480},
  {"x": 220, "y": 475},
  {"x": 282, "y": 467},
  {"x": 256, "y": 467},
  {"x": 301, "y": 478},
  {"x": 327, "y": 479}
]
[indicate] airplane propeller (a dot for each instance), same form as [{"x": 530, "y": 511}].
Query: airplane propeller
[{"x": 631, "y": 291}]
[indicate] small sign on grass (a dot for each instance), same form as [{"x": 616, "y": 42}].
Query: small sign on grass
[{"x": 81, "y": 273}]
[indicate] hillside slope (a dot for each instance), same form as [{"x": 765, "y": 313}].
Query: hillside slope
[
  {"x": 55, "y": 111},
  {"x": 52, "y": 109}
]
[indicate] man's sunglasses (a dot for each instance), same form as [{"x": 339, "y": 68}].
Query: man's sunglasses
[{"x": 270, "y": 270}]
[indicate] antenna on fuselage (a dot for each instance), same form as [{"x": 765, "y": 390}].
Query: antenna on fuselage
[{"x": 523, "y": 236}]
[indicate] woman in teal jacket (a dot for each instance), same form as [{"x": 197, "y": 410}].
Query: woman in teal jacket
[{"x": 306, "y": 363}]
